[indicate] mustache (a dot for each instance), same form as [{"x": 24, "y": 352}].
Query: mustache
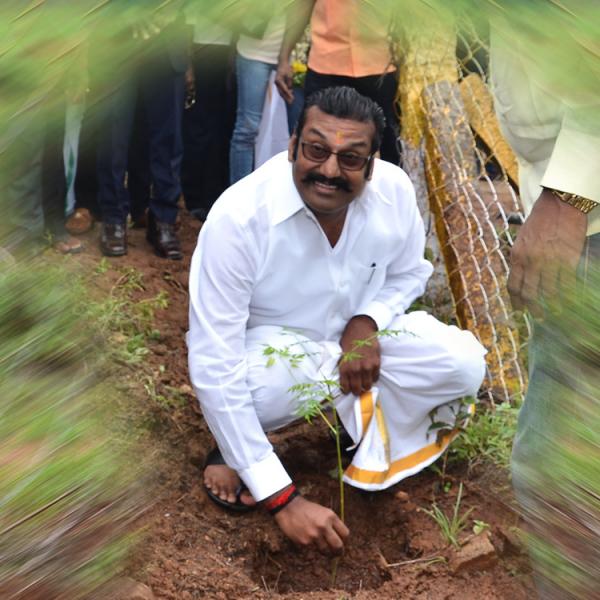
[{"x": 338, "y": 182}]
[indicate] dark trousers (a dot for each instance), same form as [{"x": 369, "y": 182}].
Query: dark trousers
[
  {"x": 86, "y": 181},
  {"x": 207, "y": 128},
  {"x": 36, "y": 187},
  {"x": 380, "y": 88},
  {"x": 161, "y": 87},
  {"x": 139, "y": 177}
]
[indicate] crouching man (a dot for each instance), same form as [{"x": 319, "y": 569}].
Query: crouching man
[{"x": 318, "y": 249}]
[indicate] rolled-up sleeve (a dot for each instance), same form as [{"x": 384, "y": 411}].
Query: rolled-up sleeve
[{"x": 222, "y": 275}]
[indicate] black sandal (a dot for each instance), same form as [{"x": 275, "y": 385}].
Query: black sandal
[{"x": 216, "y": 458}]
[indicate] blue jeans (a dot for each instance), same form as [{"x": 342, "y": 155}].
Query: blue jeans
[
  {"x": 547, "y": 471},
  {"x": 252, "y": 80}
]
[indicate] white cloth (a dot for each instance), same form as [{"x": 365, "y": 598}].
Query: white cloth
[
  {"x": 273, "y": 133},
  {"x": 556, "y": 142},
  {"x": 425, "y": 366},
  {"x": 267, "y": 48},
  {"x": 262, "y": 260}
]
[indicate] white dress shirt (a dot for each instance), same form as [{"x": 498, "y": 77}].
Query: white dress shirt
[
  {"x": 263, "y": 259},
  {"x": 555, "y": 135}
]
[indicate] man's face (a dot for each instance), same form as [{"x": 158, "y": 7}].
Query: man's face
[{"x": 325, "y": 187}]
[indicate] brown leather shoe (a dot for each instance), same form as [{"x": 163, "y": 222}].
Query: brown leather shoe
[
  {"x": 81, "y": 221},
  {"x": 164, "y": 238},
  {"x": 113, "y": 239}
]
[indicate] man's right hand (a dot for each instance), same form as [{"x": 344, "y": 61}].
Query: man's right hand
[
  {"x": 284, "y": 81},
  {"x": 546, "y": 253},
  {"x": 307, "y": 523}
]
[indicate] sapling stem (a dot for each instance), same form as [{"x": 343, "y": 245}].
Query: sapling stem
[
  {"x": 340, "y": 473},
  {"x": 338, "y": 447},
  {"x": 327, "y": 422}
]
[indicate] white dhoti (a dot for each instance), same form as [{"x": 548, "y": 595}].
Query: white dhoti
[{"x": 426, "y": 365}]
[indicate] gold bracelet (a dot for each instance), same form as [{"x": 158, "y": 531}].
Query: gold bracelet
[{"x": 583, "y": 204}]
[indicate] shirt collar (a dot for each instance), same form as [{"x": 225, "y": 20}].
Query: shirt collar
[{"x": 288, "y": 202}]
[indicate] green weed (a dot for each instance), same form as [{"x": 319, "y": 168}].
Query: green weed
[
  {"x": 67, "y": 494},
  {"x": 480, "y": 526},
  {"x": 488, "y": 437},
  {"x": 450, "y": 527},
  {"x": 127, "y": 323}
]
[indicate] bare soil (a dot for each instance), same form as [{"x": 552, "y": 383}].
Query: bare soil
[{"x": 193, "y": 549}]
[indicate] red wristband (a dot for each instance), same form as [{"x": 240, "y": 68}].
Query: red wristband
[{"x": 281, "y": 500}]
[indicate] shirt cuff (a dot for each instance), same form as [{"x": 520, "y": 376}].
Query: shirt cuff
[
  {"x": 265, "y": 477},
  {"x": 573, "y": 166},
  {"x": 379, "y": 312}
]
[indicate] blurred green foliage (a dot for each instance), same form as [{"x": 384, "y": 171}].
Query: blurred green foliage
[
  {"x": 66, "y": 497},
  {"x": 562, "y": 473}
]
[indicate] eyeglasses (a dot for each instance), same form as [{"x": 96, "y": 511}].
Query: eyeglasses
[{"x": 347, "y": 161}]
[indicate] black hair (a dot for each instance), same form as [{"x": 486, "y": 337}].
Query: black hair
[{"x": 345, "y": 103}]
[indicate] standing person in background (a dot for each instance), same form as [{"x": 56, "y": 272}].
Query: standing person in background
[
  {"x": 256, "y": 59},
  {"x": 41, "y": 72},
  {"x": 153, "y": 66},
  {"x": 37, "y": 190},
  {"x": 552, "y": 122},
  {"x": 208, "y": 122},
  {"x": 349, "y": 46}
]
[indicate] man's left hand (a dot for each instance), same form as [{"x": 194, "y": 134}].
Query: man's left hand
[{"x": 359, "y": 365}]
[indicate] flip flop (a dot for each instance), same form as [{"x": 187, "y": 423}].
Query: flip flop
[
  {"x": 216, "y": 458},
  {"x": 68, "y": 245}
]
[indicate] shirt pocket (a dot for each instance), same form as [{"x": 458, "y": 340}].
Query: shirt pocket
[{"x": 367, "y": 277}]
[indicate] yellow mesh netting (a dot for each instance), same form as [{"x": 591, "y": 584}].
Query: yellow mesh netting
[{"x": 465, "y": 175}]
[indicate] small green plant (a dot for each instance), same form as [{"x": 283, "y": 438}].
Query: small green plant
[
  {"x": 103, "y": 266},
  {"x": 480, "y": 526},
  {"x": 450, "y": 527},
  {"x": 127, "y": 323},
  {"x": 163, "y": 396},
  {"x": 488, "y": 437}
]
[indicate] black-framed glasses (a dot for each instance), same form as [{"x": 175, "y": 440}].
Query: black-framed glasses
[{"x": 348, "y": 161}]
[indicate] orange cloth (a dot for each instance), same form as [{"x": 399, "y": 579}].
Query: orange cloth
[{"x": 349, "y": 37}]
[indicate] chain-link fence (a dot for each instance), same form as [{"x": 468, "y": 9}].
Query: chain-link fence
[{"x": 465, "y": 176}]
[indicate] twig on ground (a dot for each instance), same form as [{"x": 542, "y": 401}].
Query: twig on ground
[
  {"x": 426, "y": 559},
  {"x": 269, "y": 557}
]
